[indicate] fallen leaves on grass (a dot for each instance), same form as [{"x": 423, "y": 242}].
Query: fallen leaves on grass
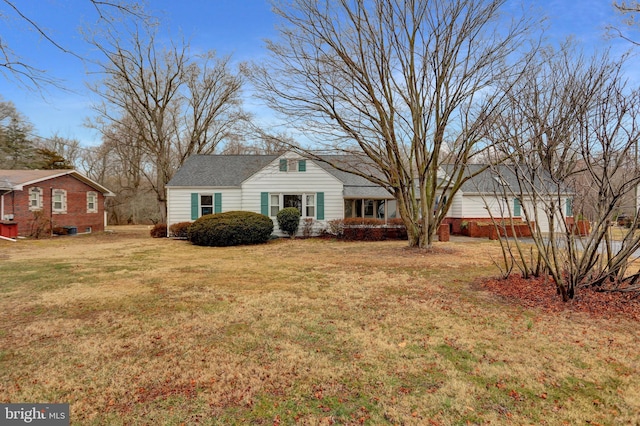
[{"x": 541, "y": 293}]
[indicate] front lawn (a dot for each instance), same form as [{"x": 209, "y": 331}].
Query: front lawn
[{"x": 134, "y": 330}]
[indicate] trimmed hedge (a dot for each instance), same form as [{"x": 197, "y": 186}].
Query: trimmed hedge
[
  {"x": 289, "y": 220},
  {"x": 367, "y": 229},
  {"x": 230, "y": 229}
]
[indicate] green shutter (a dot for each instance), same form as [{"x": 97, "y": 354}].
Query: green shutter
[
  {"x": 217, "y": 202},
  {"x": 194, "y": 206},
  {"x": 569, "y": 207},
  {"x": 302, "y": 165},
  {"x": 516, "y": 207},
  {"x": 264, "y": 203},
  {"x": 320, "y": 206},
  {"x": 283, "y": 165}
]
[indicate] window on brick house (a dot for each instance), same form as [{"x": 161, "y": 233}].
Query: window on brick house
[
  {"x": 35, "y": 199},
  {"x": 92, "y": 202},
  {"x": 59, "y": 201}
]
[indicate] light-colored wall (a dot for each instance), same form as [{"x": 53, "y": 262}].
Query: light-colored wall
[
  {"x": 313, "y": 180},
  {"x": 456, "y": 205},
  {"x": 478, "y": 207},
  {"x": 271, "y": 180},
  {"x": 179, "y": 201}
]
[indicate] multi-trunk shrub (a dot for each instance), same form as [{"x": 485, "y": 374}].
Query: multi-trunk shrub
[{"x": 230, "y": 229}]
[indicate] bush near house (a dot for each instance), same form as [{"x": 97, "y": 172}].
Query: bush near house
[
  {"x": 180, "y": 229},
  {"x": 159, "y": 230},
  {"x": 230, "y": 229},
  {"x": 289, "y": 220},
  {"x": 368, "y": 229}
]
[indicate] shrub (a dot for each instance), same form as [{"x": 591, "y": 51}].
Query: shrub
[
  {"x": 40, "y": 225},
  {"x": 307, "y": 227},
  {"x": 59, "y": 230},
  {"x": 355, "y": 221},
  {"x": 230, "y": 229},
  {"x": 370, "y": 229},
  {"x": 159, "y": 230},
  {"x": 336, "y": 227},
  {"x": 396, "y": 221},
  {"x": 289, "y": 220},
  {"x": 179, "y": 230}
]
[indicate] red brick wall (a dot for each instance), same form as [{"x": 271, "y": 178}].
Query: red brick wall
[{"x": 17, "y": 203}]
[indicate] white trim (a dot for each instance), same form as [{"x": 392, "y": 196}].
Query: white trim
[{"x": 93, "y": 194}]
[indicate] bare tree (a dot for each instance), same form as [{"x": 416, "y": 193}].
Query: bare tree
[
  {"x": 399, "y": 83},
  {"x": 629, "y": 10},
  {"x": 67, "y": 149},
  {"x": 13, "y": 65},
  {"x": 573, "y": 120},
  {"x": 173, "y": 105}
]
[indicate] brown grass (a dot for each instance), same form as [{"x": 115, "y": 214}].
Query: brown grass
[{"x": 134, "y": 330}]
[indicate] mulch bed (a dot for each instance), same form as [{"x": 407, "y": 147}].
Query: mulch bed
[{"x": 541, "y": 293}]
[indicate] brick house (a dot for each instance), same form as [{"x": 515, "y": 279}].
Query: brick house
[{"x": 35, "y": 202}]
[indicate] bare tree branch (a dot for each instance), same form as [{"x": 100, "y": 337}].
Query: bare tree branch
[
  {"x": 408, "y": 86},
  {"x": 36, "y": 78}
]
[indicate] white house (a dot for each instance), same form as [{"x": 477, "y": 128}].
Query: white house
[{"x": 265, "y": 184}]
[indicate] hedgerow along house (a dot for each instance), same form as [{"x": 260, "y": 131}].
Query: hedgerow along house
[
  {"x": 207, "y": 184},
  {"x": 42, "y": 200}
]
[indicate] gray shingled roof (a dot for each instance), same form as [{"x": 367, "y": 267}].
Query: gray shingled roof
[
  {"x": 232, "y": 170},
  {"x": 219, "y": 170},
  {"x": 501, "y": 177},
  {"x": 354, "y": 186}
]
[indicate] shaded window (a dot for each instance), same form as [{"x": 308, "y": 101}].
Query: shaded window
[
  {"x": 305, "y": 203},
  {"x": 206, "y": 204},
  {"x": 311, "y": 205}
]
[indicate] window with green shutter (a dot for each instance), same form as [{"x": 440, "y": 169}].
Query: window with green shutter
[
  {"x": 283, "y": 164},
  {"x": 569, "y": 207},
  {"x": 320, "y": 205},
  {"x": 517, "y": 211},
  {"x": 217, "y": 203},
  {"x": 302, "y": 165},
  {"x": 264, "y": 203},
  {"x": 194, "y": 205}
]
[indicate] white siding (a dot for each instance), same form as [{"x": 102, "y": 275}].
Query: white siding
[
  {"x": 313, "y": 180},
  {"x": 179, "y": 201},
  {"x": 541, "y": 216},
  {"x": 456, "y": 206},
  {"x": 478, "y": 207}
]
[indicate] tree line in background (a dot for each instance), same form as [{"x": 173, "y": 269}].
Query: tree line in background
[{"x": 411, "y": 87}]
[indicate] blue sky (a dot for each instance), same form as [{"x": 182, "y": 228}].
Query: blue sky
[{"x": 236, "y": 27}]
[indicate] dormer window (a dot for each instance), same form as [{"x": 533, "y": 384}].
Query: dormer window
[{"x": 293, "y": 165}]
